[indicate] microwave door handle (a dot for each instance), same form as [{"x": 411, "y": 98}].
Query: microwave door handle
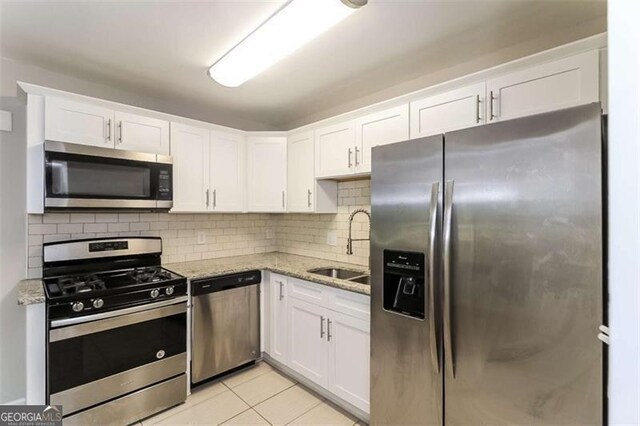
[
  {"x": 446, "y": 236},
  {"x": 433, "y": 219}
]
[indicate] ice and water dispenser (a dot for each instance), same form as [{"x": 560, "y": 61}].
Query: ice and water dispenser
[{"x": 403, "y": 283}]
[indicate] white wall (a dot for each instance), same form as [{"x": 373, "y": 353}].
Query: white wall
[
  {"x": 624, "y": 211},
  {"x": 13, "y": 219}
]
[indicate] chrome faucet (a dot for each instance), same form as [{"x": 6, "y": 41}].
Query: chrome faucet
[{"x": 351, "y": 240}]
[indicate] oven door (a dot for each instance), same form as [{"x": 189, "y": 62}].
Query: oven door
[
  {"x": 78, "y": 176},
  {"x": 98, "y": 360}
]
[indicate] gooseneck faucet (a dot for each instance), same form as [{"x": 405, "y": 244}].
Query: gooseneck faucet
[{"x": 351, "y": 240}]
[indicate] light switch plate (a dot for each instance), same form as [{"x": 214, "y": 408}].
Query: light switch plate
[
  {"x": 202, "y": 237},
  {"x": 332, "y": 238},
  {"x": 270, "y": 234}
]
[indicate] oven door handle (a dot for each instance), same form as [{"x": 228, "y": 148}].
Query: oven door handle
[{"x": 75, "y": 327}]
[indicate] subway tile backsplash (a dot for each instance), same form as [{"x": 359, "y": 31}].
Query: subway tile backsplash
[{"x": 225, "y": 234}]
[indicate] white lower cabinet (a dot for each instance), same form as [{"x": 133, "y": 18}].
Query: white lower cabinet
[{"x": 324, "y": 337}]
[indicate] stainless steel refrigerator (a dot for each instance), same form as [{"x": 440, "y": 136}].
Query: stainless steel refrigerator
[{"x": 487, "y": 274}]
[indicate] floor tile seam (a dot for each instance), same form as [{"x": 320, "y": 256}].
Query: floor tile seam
[
  {"x": 322, "y": 401},
  {"x": 274, "y": 395},
  {"x": 259, "y": 375}
]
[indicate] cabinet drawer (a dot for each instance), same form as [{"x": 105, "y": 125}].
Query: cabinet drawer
[
  {"x": 311, "y": 292},
  {"x": 350, "y": 303}
]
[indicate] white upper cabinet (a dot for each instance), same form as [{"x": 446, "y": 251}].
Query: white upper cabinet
[
  {"x": 143, "y": 134},
  {"x": 555, "y": 85},
  {"x": 266, "y": 173},
  {"x": 335, "y": 150},
  {"x": 300, "y": 173},
  {"x": 349, "y": 354},
  {"x": 452, "y": 110},
  {"x": 190, "y": 151},
  {"x": 227, "y": 172},
  {"x": 380, "y": 128},
  {"x": 78, "y": 122}
]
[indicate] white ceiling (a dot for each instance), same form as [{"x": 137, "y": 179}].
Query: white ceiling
[{"x": 163, "y": 49}]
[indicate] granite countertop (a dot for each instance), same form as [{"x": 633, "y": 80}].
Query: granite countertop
[
  {"x": 280, "y": 263},
  {"x": 30, "y": 292}
]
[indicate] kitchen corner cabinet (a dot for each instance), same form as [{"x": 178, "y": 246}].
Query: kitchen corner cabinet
[
  {"x": 555, "y": 85},
  {"x": 227, "y": 172},
  {"x": 78, "y": 122},
  {"x": 88, "y": 124},
  {"x": 190, "y": 151},
  {"x": 135, "y": 132},
  {"x": 452, "y": 110},
  {"x": 278, "y": 334},
  {"x": 304, "y": 193},
  {"x": 266, "y": 174}
]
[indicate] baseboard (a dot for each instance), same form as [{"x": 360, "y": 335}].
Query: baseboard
[
  {"x": 361, "y": 415},
  {"x": 19, "y": 401}
]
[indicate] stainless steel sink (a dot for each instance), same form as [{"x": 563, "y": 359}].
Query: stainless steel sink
[
  {"x": 342, "y": 274},
  {"x": 364, "y": 279}
]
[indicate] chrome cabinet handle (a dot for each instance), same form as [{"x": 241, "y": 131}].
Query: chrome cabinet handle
[
  {"x": 119, "y": 131},
  {"x": 329, "y": 335},
  {"x": 108, "y": 129},
  {"x": 357, "y": 152},
  {"x": 349, "y": 157},
  {"x": 433, "y": 219},
  {"x": 491, "y": 99},
  {"x": 448, "y": 207},
  {"x": 478, "y": 118},
  {"x": 207, "y": 195},
  {"x": 322, "y": 327},
  {"x": 281, "y": 287},
  {"x": 215, "y": 198},
  {"x": 308, "y": 198}
]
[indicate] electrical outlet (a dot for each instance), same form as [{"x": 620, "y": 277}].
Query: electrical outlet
[
  {"x": 270, "y": 234},
  {"x": 202, "y": 237},
  {"x": 332, "y": 238}
]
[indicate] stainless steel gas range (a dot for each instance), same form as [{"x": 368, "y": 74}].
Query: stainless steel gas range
[{"x": 116, "y": 329}]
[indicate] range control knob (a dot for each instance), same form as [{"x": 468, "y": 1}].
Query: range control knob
[
  {"x": 98, "y": 303},
  {"x": 77, "y": 306},
  {"x": 155, "y": 293},
  {"x": 168, "y": 291}
]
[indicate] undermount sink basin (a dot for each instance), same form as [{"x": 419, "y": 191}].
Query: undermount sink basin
[
  {"x": 342, "y": 274},
  {"x": 364, "y": 279}
]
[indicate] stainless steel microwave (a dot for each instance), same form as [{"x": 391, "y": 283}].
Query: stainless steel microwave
[{"x": 87, "y": 177}]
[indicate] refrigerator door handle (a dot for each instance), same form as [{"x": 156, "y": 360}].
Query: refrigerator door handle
[
  {"x": 446, "y": 236},
  {"x": 433, "y": 218}
]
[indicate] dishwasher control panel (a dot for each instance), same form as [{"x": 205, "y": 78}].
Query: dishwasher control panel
[{"x": 225, "y": 282}]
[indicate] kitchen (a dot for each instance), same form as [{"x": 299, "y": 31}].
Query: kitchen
[{"x": 313, "y": 264}]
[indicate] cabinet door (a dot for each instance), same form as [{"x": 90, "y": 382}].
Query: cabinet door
[
  {"x": 381, "y": 128},
  {"x": 190, "y": 151},
  {"x": 349, "y": 359},
  {"x": 227, "y": 172},
  {"x": 278, "y": 331},
  {"x": 560, "y": 84},
  {"x": 266, "y": 174},
  {"x": 78, "y": 122},
  {"x": 335, "y": 150},
  {"x": 309, "y": 348},
  {"x": 143, "y": 134},
  {"x": 300, "y": 173},
  {"x": 444, "y": 112}
]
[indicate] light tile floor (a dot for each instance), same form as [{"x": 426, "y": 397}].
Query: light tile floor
[{"x": 258, "y": 395}]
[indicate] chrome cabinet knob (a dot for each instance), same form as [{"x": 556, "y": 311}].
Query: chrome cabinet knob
[
  {"x": 155, "y": 293},
  {"x": 77, "y": 306},
  {"x": 98, "y": 303},
  {"x": 168, "y": 291}
]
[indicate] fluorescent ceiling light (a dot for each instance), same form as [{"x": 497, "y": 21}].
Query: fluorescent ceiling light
[{"x": 295, "y": 24}]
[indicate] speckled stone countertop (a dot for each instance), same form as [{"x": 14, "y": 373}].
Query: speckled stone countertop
[
  {"x": 30, "y": 292},
  {"x": 280, "y": 263}
]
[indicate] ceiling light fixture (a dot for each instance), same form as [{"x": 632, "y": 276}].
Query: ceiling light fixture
[{"x": 297, "y": 23}]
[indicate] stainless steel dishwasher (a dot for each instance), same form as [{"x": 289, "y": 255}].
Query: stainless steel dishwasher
[{"x": 226, "y": 323}]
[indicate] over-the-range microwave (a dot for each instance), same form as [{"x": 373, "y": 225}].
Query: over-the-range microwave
[{"x": 87, "y": 177}]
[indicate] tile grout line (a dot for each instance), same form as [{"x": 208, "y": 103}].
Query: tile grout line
[
  {"x": 261, "y": 416},
  {"x": 322, "y": 401}
]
